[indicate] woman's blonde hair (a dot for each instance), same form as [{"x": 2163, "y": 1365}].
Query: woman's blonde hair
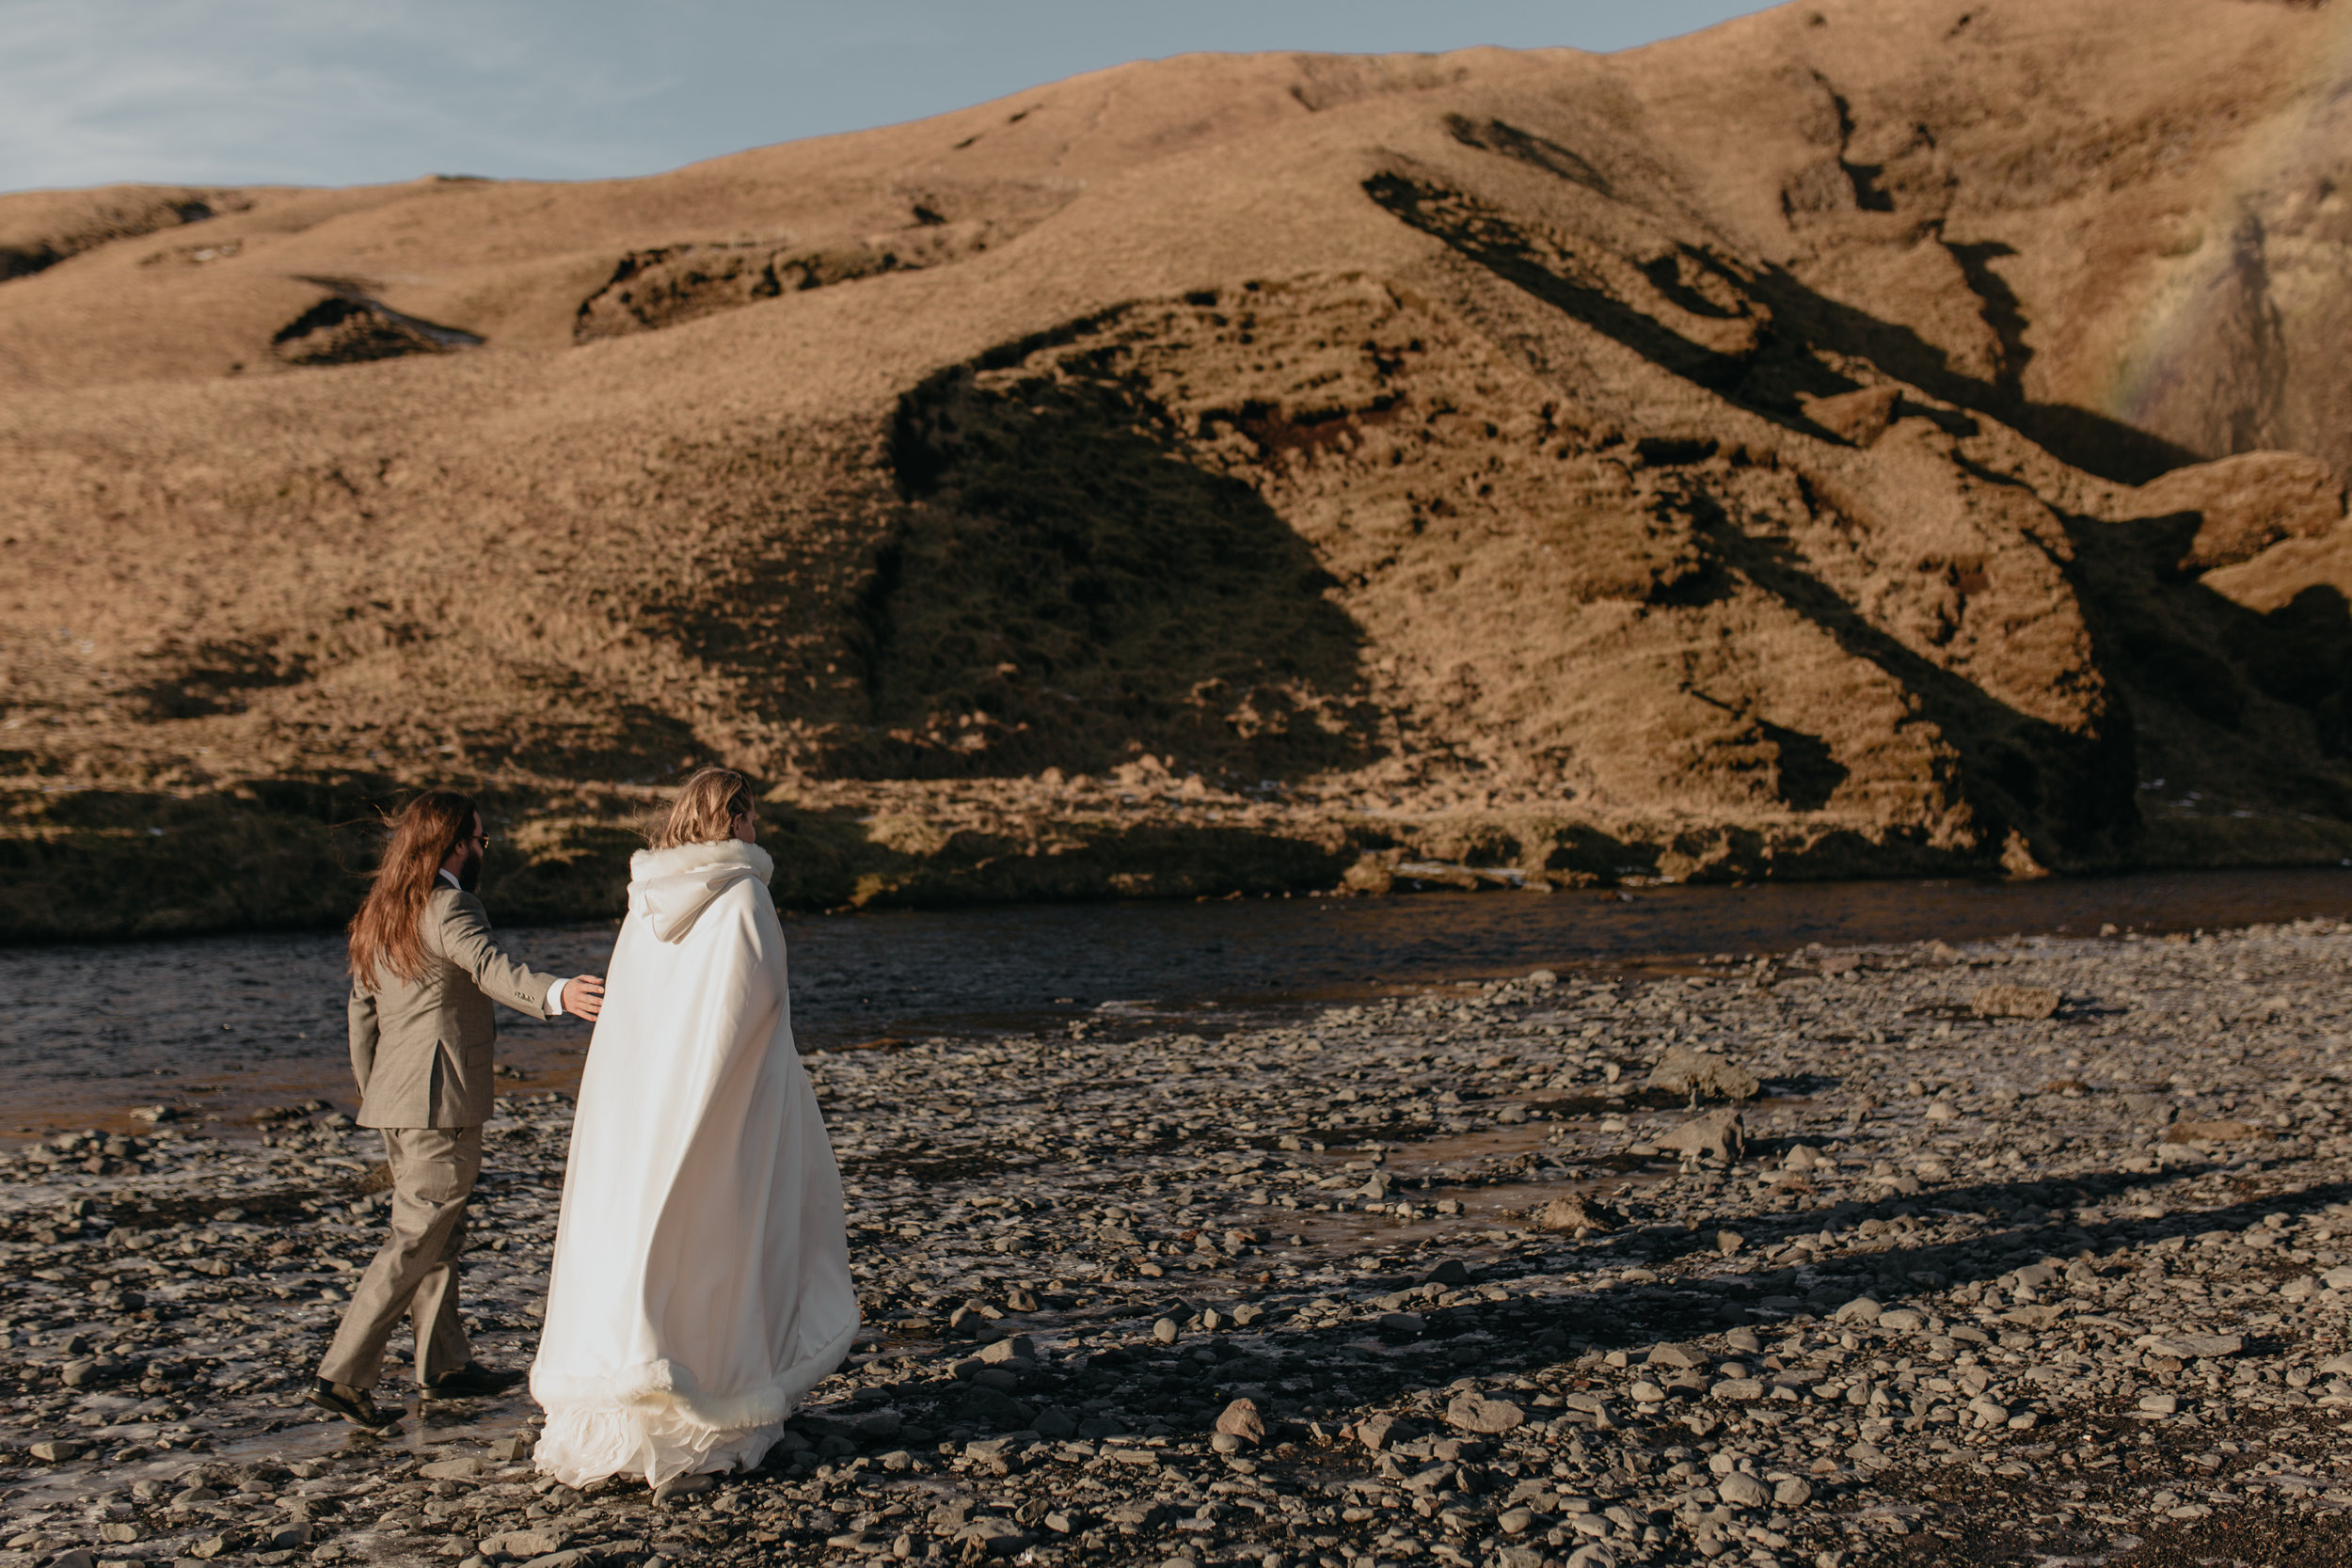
[{"x": 707, "y": 806}]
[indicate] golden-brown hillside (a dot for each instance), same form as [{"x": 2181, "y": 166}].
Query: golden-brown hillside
[{"x": 1859, "y": 438}]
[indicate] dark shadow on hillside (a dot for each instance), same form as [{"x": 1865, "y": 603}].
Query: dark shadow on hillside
[
  {"x": 635, "y": 739},
  {"x": 2269, "y": 697},
  {"x": 2302, "y": 654},
  {"x": 2081, "y": 437},
  {"x": 2275, "y": 686},
  {"x": 1998, "y": 304},
  {"x": 1494, "y": 243},
  {"x": 1804, "y": 772},
  {"x": 1496, "y": 135},
  {"x": 1808, "y": 775},
  {"x": 267, "y": 855},
  {"x": 213, "y": 678},
  {"x": 1064, "y": 587},
  {"x": 2069, "y": 793},
  {"x": 350, "y": 328},
  {"x": 1781, "y": 368}
]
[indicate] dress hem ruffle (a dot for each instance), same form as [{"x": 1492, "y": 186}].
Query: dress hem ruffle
[
  {"x": 651, "y": 1421},
  {"x": 585, "y": 1445}
]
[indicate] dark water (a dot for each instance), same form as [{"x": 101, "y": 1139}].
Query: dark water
[{"x": 223, "y": 1024}]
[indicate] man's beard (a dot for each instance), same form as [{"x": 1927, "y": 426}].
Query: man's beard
[{"x": 470, "y": 874}]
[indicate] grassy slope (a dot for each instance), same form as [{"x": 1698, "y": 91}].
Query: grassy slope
[{"x": 1700, "y": 462}]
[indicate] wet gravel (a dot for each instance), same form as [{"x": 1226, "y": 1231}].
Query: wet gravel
[{"x": 2030, "y": 1252}]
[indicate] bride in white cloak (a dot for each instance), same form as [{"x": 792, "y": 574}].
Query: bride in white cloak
[{"x": 701, "y": 1283}]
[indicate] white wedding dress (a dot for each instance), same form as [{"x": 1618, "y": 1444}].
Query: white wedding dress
[{"x": 701, "y": 1283}]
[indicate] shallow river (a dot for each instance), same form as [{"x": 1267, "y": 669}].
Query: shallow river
[{"x": 219, "y": 1026}]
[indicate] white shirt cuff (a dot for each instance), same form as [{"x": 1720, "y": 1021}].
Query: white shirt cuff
[{"x": 555, "y": 1000}]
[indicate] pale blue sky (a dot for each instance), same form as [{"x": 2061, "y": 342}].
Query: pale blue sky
[{"x": 339, "y": 92}]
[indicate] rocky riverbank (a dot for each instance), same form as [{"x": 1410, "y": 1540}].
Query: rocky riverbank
[{"x": 2009, "y": 1253}]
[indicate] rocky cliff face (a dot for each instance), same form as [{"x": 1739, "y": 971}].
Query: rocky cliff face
[{"x": 1858, "y": 438}]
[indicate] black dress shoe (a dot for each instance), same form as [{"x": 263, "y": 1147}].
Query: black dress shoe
[
  {"x": 352, "y": 1404},
  {"x": 473, "y": 1381}
]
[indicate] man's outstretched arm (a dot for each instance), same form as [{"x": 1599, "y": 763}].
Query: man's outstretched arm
[{"x": 466, "y": 942}]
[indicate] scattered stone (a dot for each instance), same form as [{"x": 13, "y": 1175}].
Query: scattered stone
[
  {"x": 2216, "y": 1131},
  {"x": 523, "y": 1543},
  {"x": 1894, "y": 1297},
  {"x": 1575, "y": 1212},
  {"x": 1704, "y": 1074},
  {"x": 2189, "y": 1346},
  {"x": 1716, "y": 1136},
  {"x": 994, "y": 1408},
  {"x": 1490, "y": 1418},
  {"x": 2028, "y": 1002},
  {"x": 1241, "y": 1419}
]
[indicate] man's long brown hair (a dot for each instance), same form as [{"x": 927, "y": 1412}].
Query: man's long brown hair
[{"x": 384, "y": 934}]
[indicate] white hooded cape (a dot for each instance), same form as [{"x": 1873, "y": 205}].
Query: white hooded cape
[{"x": 700, "y": 1282}]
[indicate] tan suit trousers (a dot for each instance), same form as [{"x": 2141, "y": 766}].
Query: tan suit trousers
[{"x": 415, "y": 1274}]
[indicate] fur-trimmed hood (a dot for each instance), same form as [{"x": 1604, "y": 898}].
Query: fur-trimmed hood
[{"x": 669, "y": 888}]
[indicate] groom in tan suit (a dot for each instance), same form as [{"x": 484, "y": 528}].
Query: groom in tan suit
[{"x": 425, "y": 973}]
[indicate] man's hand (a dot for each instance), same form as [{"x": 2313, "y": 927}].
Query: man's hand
[{"x": 583, "y": 995}]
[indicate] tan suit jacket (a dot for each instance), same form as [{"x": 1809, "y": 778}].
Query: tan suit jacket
[{"x": 422, "y": 1050}]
